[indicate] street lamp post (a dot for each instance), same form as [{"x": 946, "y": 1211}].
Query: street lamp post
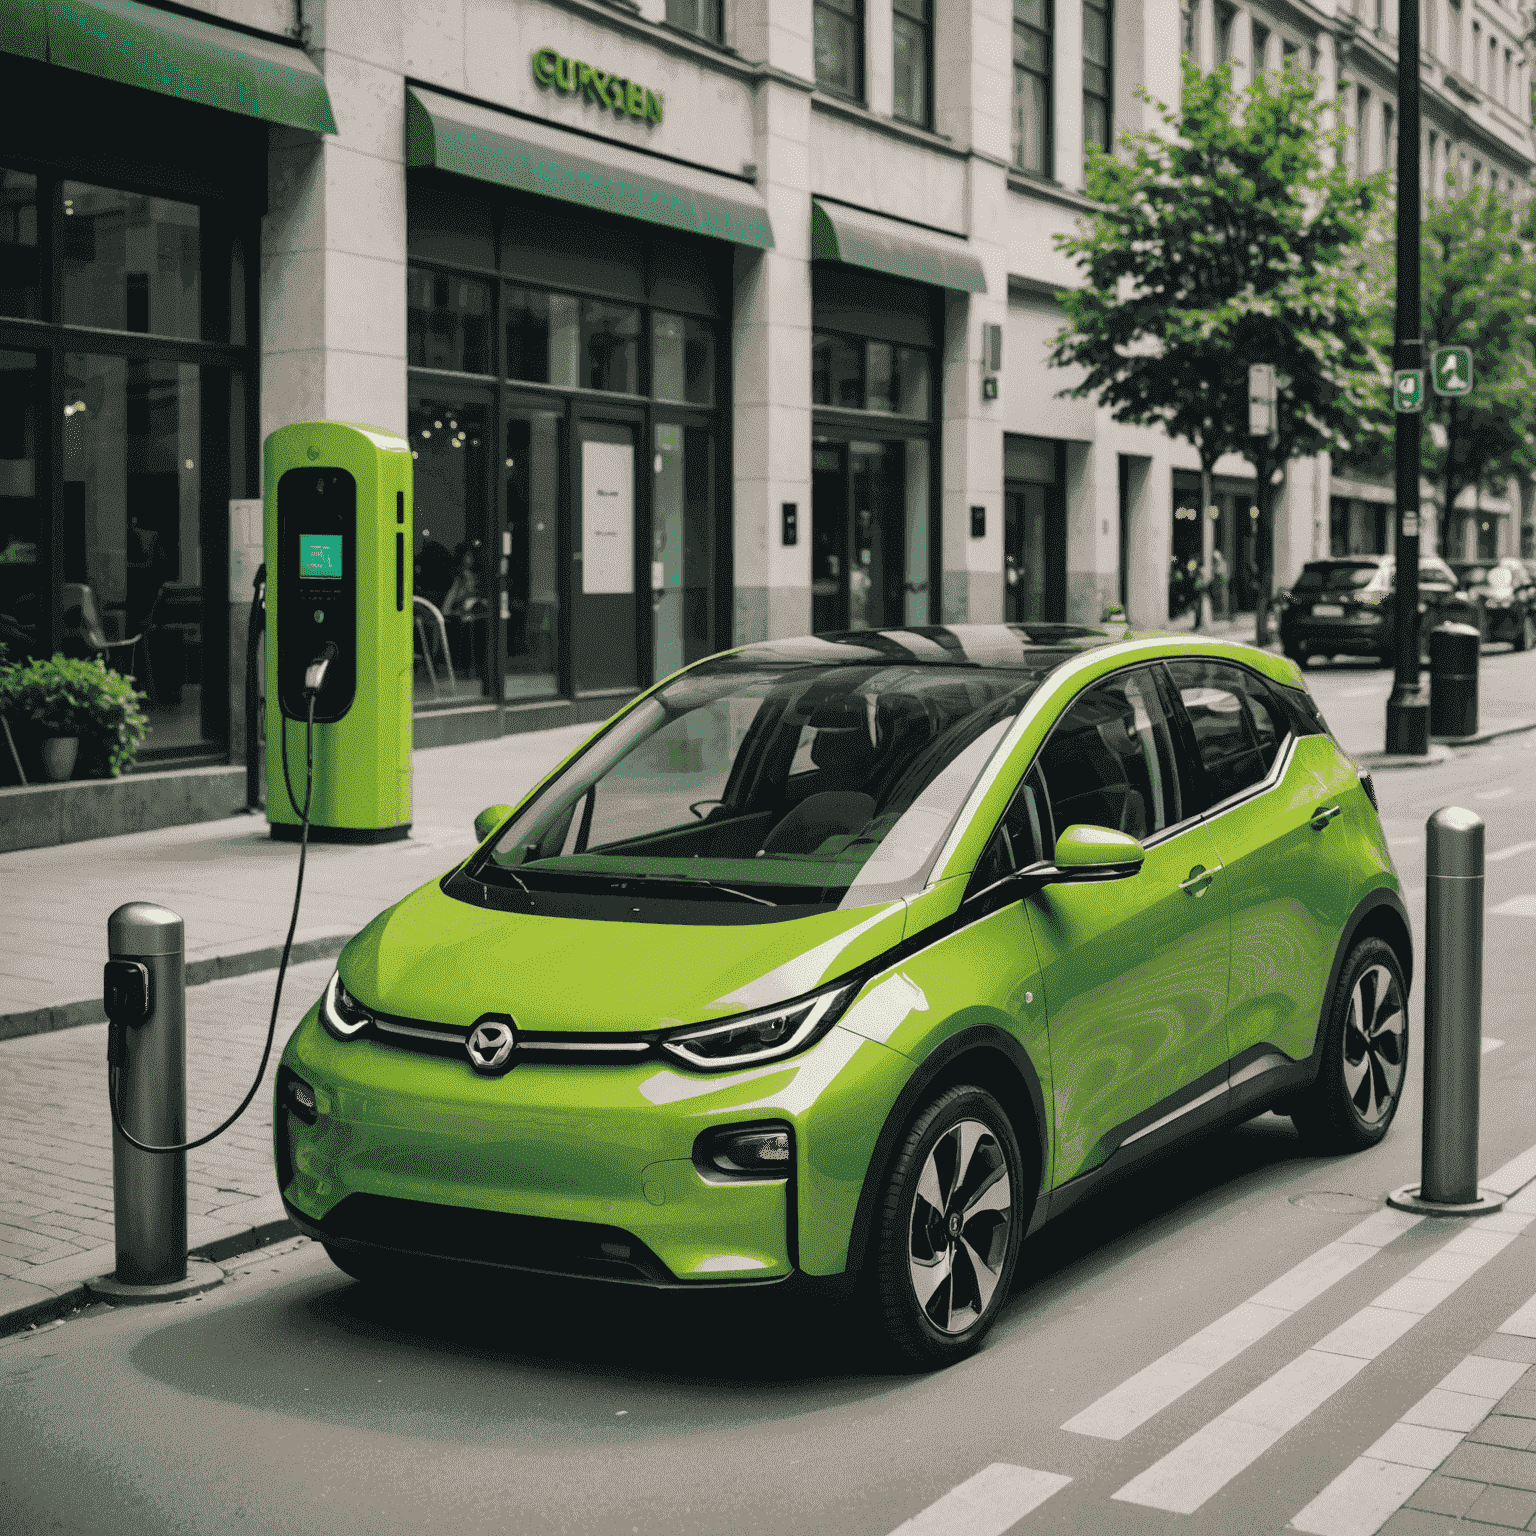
[{"x": 1408, "y": 706}]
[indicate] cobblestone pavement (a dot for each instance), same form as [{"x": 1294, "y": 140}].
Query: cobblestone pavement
[
  {"x": 233, "y": 885},
  {"x": 56, "y": 1138}
]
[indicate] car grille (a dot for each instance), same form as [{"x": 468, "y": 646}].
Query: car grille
[
  {"x": 447, "y": 1040},
  {"x": 536, "y": 1243}
]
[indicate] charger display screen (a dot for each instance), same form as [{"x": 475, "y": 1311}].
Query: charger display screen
[{"x": 320, "y": 556}]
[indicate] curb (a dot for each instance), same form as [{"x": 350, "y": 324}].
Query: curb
[
  {"x": 206, "y": 968},
  {"x": 21, "y": 1314},
  {"x": 1440, "y": 748}
]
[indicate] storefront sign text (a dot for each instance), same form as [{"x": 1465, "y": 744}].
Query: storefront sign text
[{"x": 626, "y": 97}]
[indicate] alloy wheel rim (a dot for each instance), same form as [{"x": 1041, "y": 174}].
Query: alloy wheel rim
[
  {"x": 1375, "y": 1044},
  {"x": 962, "y": 1214}
]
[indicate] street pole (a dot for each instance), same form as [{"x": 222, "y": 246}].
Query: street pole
[{"x": 1408, "y": 706}]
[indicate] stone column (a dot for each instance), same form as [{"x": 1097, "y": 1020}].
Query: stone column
[
  {"x": 333, "y": 242},
  {"x": 771, "y": 339}
]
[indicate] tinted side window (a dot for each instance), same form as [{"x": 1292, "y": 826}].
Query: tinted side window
[
  {"x": 1023, "y": 836},
  {"x": 1238, "y": 726},
  {"x": 1110, "y": 763}
]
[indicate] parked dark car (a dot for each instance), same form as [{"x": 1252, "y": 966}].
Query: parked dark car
[
  {"x": 1343, "y": 606},
  {"x": 1505, "y": 594}
]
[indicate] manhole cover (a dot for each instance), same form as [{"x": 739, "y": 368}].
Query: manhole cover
[{"x": 1332, "y": 1200}]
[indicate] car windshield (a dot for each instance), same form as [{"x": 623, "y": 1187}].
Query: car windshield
[
  {"x": 1332, "y": 576},
  {"x": 793, "y": 784}
]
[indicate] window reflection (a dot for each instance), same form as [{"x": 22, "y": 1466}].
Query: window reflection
[
  {"x": 131, "y": 263},
  {"x": 682, "y": 359},
  {"x": 18, "y": 244},
  {"x": 870, "y": 376},
  {"x": 21, "y": 605},
  {"x": 448, "y": 322},
  {"x": 610, "y": 336},
  {"x": 530, "y": 558}
]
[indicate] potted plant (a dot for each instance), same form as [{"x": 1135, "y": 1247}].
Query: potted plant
[{"x": 64, "y": 698}]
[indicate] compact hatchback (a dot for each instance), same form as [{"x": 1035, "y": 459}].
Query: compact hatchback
[{"x": 848, "y": 961}]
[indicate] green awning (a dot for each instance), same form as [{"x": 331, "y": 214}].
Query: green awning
[
  {"x": 900, "y": 250},
  {"x": 517, "y": 152},
  {"x": 175, "y": 55}
]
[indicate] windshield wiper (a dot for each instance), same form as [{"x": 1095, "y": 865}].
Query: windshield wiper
[{"x": 714, "y": 885}]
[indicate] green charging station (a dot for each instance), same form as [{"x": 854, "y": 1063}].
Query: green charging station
[{"x": 338, "y": 550}]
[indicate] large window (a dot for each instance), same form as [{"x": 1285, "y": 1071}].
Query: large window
[
  {"x": 912, "y": 24},
  {"x": 703, "y": 18},
  {"x": 114, "y": 521},
  {"x": 1453, "y": 17},
  {"x": 565, "y": 416},
  {"x": 1098, "y": 120},
  {"x": 839, "y": 43},
  {"x": 1032, "y": 86}
]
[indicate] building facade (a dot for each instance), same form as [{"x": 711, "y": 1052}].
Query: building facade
[{"x": 709, "y": 321}]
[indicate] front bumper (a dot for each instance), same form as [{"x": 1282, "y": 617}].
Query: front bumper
[{"x": 582, "y": 1170}]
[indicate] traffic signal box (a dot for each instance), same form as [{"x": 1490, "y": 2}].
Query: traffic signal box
[{"x": 337, "y": 511}]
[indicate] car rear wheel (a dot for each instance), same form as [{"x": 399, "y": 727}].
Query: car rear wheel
[
  {"x": 1359, "y": 1083},
  {"x": 948, "y": 1230}
]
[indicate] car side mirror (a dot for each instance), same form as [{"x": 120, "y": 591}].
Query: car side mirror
[
  {"x": 1086, "y": 853},
  {"x": 489, "y": 819}
]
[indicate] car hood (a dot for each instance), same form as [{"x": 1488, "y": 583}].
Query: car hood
[{"x": 433, "y": 958}]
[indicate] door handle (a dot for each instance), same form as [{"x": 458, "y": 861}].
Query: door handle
[
  {"x": 1321, "y": 818},
  {"x": 1199, "y": 881}
]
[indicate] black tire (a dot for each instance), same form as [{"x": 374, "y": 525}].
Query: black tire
[
  {"x": 958, "y": 1312},
  {"x": 1360, "y": 1081}
]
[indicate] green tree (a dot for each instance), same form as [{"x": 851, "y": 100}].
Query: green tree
[
  {"x": 1228, "y": 241},
  {"x": 1478, "y": 279}
]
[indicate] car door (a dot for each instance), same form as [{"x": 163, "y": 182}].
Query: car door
[
  {"x": 1266, "y": 794},
  {"x": 1134, "y": 970}
]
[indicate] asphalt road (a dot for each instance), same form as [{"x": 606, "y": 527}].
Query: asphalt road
[{"x": 292, "y": 1399}]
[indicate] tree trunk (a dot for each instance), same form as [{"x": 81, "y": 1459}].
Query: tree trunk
[
  {"x": 1264, "y": 545},
  {"x": 1207, "y": 544}
]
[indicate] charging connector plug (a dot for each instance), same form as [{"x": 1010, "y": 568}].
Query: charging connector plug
[{"x": 314, "y": 673}]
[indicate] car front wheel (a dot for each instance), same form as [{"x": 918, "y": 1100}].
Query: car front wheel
[
  {"x": 948, "y": 1230},
  {"x": 1364, "y": 1055}
]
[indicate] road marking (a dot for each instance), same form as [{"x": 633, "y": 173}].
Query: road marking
[
  {"x": 1494, "y": 794},
  {"x": 1373, "y": 1487},
  {"x": 1512, "y": 1177},
  {"x": 1405, "y": 842},
  {"x": 1167, "y": 1379},
  {"x": 1511, "y": 852},
  {"x": 1490, "y": 1044},
  {"x": 1516, "y": 906},
  {"x": 1210, "y": 1458},
  {"x": 985, "y": 1505}
]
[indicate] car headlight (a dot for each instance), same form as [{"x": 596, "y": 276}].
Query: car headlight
[
  {"x": 340, "y": 1012},
  {"x": 764, "y": 1036}
]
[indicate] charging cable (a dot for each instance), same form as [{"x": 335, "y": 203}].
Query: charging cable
[{"x": 314, "y": 681}]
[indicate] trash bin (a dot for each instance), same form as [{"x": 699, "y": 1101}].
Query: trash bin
[{"x": 1454, "y": 651}]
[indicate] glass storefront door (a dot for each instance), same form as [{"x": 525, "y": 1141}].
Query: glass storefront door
[
  {"x": 1034, "y": 531},
  {"x": 530, "y": 553},
  {"x": 869, "y": 534},
  {"x": 23, "y": 582},
  {"x": 453, "y": 571},
  {"x": 604, "y": 641},
  {"x": 683, "y": 547}
]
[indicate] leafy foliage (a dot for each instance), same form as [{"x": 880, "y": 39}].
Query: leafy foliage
[
  {"x": 1228, "y": 241},
  {"x": 1479, "y": 275},
  {"x": 66, "y": 696}
]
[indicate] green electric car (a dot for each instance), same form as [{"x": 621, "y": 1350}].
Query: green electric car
[{"x": 848, "y": 961}]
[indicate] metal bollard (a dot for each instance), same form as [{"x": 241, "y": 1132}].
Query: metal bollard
[
  {"x": 1454, "y": 653},
  {"x": 149, "y": 1029},
  {"x": 1453, "y": 1020}
]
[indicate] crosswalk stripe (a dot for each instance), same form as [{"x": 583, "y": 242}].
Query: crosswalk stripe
[
  {"x": 1168, "y": 1378},
  {"x": 985, "y": 1505},
  {"x": 1366, "y": 1494},
  {"x": 1513, "y": 1175},
  {"x": 1513, "y": 851},
  {"x": 1209, "y": 1459}
]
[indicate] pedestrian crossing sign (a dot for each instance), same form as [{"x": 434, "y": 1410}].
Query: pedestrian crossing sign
[
  {"x": 1453, "y": 370},
  {"x": 1408, "y": 389}
]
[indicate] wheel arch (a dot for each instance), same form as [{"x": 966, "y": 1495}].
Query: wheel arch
[
  {"x": 1380, "y": 914},
  {"x": 989, "y": 1057}
]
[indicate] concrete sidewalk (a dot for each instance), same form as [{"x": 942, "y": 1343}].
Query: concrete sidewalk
[{"x": 233, "y": 885}]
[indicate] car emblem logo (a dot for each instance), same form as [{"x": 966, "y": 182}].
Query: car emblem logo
[
  {"x": 954, "y": 1224},
  {"x": 491, "y": 1044}
]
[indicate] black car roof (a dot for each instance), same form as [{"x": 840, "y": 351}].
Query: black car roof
[{"x": 1011, "y": 647}]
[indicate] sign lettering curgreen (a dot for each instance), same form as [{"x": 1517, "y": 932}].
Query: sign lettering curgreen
[{"x": 573, "y": 78}]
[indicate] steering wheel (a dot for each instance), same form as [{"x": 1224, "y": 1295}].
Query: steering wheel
[{"x": 697, "y": 803}]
